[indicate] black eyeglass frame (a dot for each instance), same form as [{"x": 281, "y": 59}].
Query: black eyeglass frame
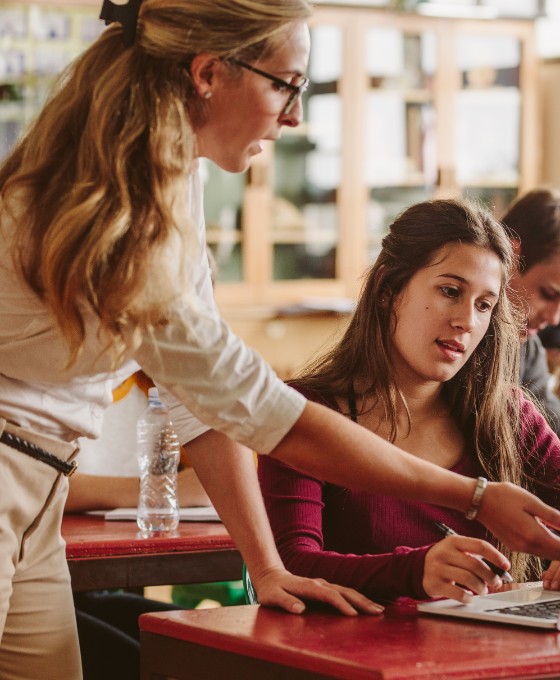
[{"x": 296, "y": 90}]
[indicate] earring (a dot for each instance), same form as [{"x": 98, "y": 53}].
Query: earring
[{"x": 207, "y": 94}]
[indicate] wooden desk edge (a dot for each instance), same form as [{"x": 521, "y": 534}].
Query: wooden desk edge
[
  {"x": 221, "y": 649},
  {"x": 133, "y": 571}
]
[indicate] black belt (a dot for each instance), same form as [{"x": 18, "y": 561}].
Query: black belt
[{"x": 15, "y": 442}]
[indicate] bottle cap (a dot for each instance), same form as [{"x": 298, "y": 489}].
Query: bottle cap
[{"x": 153, "y": 396}]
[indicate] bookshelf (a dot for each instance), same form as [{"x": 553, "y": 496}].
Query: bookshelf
[
  {"x": 401, "y": 108},
  {"x": 37, "y": 40}
]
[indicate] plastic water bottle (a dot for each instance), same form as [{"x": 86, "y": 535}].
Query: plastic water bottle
[{"x": 158, "y": 458}]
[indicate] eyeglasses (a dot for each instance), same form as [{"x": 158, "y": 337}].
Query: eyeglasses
[{"x": 296, "y": 91}]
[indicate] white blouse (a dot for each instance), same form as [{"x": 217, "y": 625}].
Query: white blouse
[{"x": 206, "y": 374}]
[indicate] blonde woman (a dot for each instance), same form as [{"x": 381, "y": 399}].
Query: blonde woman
[{"x": 103, "y": 269}]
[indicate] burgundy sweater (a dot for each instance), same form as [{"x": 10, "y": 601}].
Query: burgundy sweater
[{"x": 371, "y": 542}]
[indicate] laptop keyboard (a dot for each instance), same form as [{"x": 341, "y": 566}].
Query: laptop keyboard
[{"x": 539, "y": 610}]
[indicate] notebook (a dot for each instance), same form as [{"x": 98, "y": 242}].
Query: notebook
[{"x": 525, "y": 604}]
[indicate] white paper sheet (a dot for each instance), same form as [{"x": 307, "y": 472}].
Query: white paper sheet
[{"x": 198, "y": 514}]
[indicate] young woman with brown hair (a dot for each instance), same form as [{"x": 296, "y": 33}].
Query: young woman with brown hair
[{"x": 428, "y": 362}]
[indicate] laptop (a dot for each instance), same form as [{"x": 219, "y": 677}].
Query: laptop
[{"x": 522, "y": 604}]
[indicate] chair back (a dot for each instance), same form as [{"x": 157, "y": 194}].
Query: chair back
[{"x": 250, "y": 592}]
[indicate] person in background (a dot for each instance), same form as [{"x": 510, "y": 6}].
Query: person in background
[
  {"x": 108, "y": 619},
  {"x": 112, "y": 478},
  {"x": 103, "y": 270},
  {"x": 534, "y": 223},
  {"x": 550, "y": 339},
  {"x": 428, "y": 362}
]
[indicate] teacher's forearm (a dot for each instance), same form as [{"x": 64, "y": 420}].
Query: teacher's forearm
[
  {"x": 228, "y": 472},
  {"x": 329, "y": 446}
]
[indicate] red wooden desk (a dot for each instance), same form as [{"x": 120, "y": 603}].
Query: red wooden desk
[
  {"x": 251, "y": 642},
  {"x": 116, "y": 555}
]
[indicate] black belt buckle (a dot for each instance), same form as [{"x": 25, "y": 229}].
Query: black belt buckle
[{"x": 73, "y": 467}]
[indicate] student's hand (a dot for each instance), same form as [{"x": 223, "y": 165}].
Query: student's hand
[
  {"x": 551, "y": 577},
  {"x": 453, "y": 568},
  {"x": 280, "y": 588},
  {"x": 517, "y": 518}
]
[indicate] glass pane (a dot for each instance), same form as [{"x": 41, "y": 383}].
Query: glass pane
[
  {"x": 399, "y": 60},
  {"x": 307, "y": 162},
  {"x": 400, "y": 144},
  {"x": 36, "y": 44},
  {"x": 497, "y": 199},
  {"x": 304, "y": 260},
  {"x": 515, "y": 8},
  {"x": 12, "y": 113},
  {"x": 384, "y": 205},
  {"x": 223, "y": 199},
  {"x": 488, "y": 111}
]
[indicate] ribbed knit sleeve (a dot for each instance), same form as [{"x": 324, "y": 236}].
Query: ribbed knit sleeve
[
  {"x": 295, "y": 507},
  {"x": 541, "y": 453}
]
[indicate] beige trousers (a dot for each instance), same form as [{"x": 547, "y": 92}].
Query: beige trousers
[{"x": 38, "y": 635}]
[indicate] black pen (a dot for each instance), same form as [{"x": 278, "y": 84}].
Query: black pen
[{"x": 504, "y": 575}]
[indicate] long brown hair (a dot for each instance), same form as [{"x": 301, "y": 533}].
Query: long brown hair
[
  {"x": 96, "y": 189},
  {"x": 481, "y": 395},
  {"x": 534, "y": 219}
]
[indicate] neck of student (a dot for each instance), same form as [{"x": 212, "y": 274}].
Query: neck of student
[
  {"x": 425, "y": 426},
  {"x": 420, "y": 401},
  {"x": 416, "y": 402}
]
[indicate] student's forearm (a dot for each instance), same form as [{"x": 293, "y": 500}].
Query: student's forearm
[{"x": 92, "y": 492}]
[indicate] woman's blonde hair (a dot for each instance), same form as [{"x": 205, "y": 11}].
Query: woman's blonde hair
[
  {"x": 482, "y": 395},
  {"x": 97, "y": 188}
]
